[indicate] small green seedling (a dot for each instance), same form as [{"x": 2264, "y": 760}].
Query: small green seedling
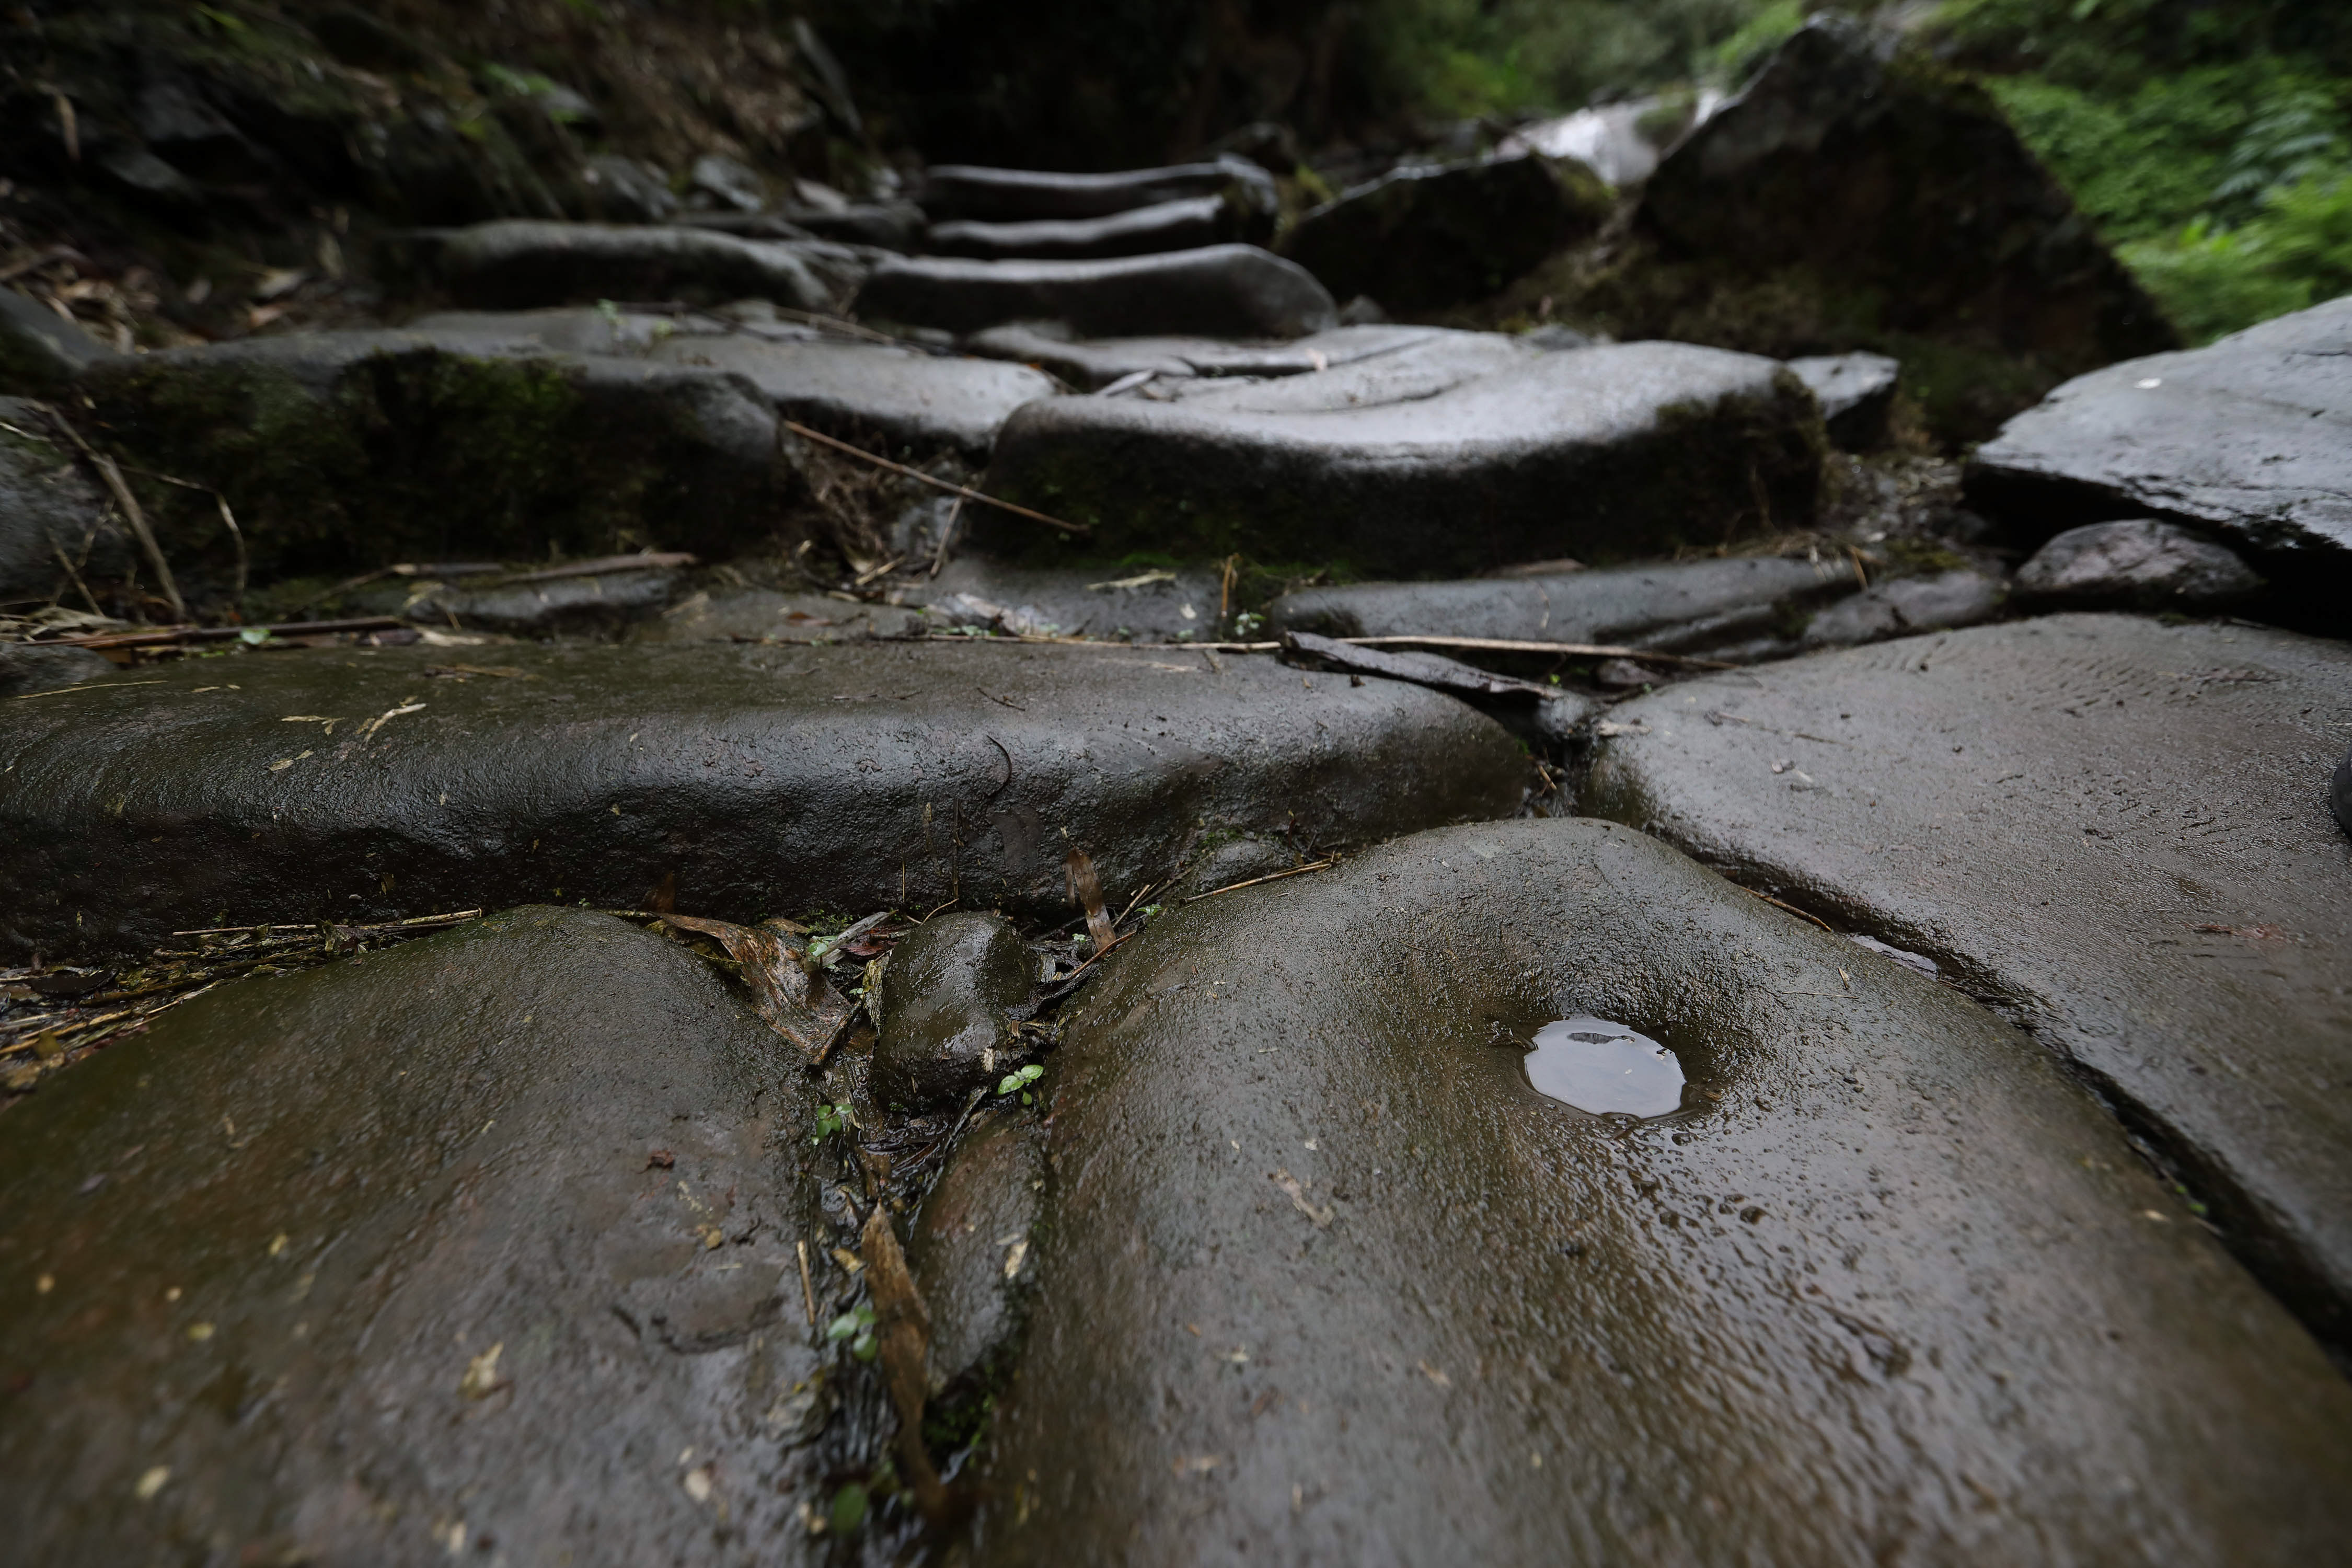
[
  {"x": 857, "y": 1326},
  {"x": 828, "y": 1123},
  {"x": 1021, "y": 1080}
]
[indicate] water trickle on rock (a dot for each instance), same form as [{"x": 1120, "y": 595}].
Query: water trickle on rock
[{"x": 1604, "y": 1068}]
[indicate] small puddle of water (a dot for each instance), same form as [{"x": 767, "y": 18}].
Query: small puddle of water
[{"x": 1604, "y": 1068}]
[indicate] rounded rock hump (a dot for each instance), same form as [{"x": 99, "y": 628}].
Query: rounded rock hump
[{"x": 945, "y": 990}]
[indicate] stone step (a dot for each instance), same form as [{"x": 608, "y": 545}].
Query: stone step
[
  {"x": 1093, "y": 364},
  {"x": 1603, "y": 454},
  {"x": 516, "y": 264},
  {"x": 952, "y": 191},
  {"x": 1887, "y": 1262},
  {"x": 2114, "y": 830},
  {"x": 1183, "y": 224},
  {"x": 311, "y": 786},
  {"x": 1217, "y": 290}
]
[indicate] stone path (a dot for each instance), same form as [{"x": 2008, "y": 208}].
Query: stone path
[{"x": 886, "y": 894}]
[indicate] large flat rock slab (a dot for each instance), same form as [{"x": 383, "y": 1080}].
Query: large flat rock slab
[
  {"x": 1321, "y": 1277},
  {"x": 1018, "y": 196},
  {"x": 2115, "y": 830},
  {"x": 763, "y": 780},
  {"x": 1678, "y": 606},
  {"x": 1601, "y": 454},
  {"x": 481, "y": 1245},
  {"x": 1217, "y": 290},
  {"x": 871, "y": 393},
  {"x": 1094, "y": 364},
  {"x": 515, "y": 264},
  {"x": 2251, "y": 438},
  {"x": 1180, "y": 225}
]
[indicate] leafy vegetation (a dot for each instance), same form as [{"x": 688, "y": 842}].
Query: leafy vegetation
[{"x": 2210, "y": 144}]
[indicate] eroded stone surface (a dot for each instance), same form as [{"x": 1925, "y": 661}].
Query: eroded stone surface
[
  {"x": 2251, "y": 438},
  {"x": 481, "y": 1243},
  {"x": 2115, "y": 830},
  {"x": 1856, "y": 393},
  {"x": 763, "y": 779},
  {"x": 1217, "y": 290},
  {"x": 1094, "y": 363},
  {"x": 1383, "y": 1301},
  {"x": 1678, "y": 606},
  {"x": 970, "y": 1249},
  {"x": 517, "y": 263},
  {"x": 1603, "y": 454},
  {"x": 49, "y": 507},
  {"x": 756, "y": 614}
]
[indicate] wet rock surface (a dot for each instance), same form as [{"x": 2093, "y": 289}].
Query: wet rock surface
[
  {"x": 1603, "y": 453},
  {"x": 759, "y": 778},
  {"x": 2136, "y": 565},
  {"x": 1423, "y": 239},
  {"x": 1378, "y": 1297},
  {"x": 1544, "y": 715},
  {"x": 1218, "y": 291},
  {"x": 1681, "y": 606},
  {"x": 2183, "y": 926},
  {"x": 943, "y": 1029},
  {"x": 1938, "y": 602},
  {"x": 518, "y": 264},
  {"x": 763, "y": 615},
  {"x": 481, "y": 1243},
  {"x": 1018, "y": 196},
  {"x": 2251, "y": 438},
  {"x": 970, "y": 1248},
  {"x": 1182, "y": 225}
]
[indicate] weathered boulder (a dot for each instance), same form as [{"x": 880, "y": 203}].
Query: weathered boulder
[
  {"x": 550, "y": 600},
  {"x": 337, "y": 784},
  {"x": 1166, "y": 226},
  {"x": 517, "y": 263},
  {"x": 49, "y": 509},
  {"x": 1940, "y": 601},
  {"x": 1849, "y": 198},
  {"x": 40, "y": 352},
  {"x": 2250, "y": 438},
  {"x": 1606, "y": 453},
  {"x": 2136, "y": 564},
  {"x": 1322, "y": 1277},
  {"x": 1675, "y": 606},
  {"x": 1422, "y": 238},
  {"x": 1856, "y": 393},
  {"x": 1217, "y": 290},
  {"x": 627, "y": 190},
  {"x": 355, "y": 449},
  {"x": 480, "y": 1245},
  {"x": 1095, "y": 363},
  {"x": 971, "y": 1247},
  {"x": 1398, "y": 373},
  {"x": 943, "y": 1030},
  {"x": 873, "y": 394},
  {"x": 2114, "y": 830},
  {"x": 1020, "y": 196}
]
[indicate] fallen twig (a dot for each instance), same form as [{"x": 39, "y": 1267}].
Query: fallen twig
[
  {"x": 1270, "y": 876},
  {"x": 1790, "y": 908},
  {"x": 797, "y": 428}
]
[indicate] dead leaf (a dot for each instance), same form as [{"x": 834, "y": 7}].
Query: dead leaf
[
  {"x": 796, "y": 1004},
  {"x": 904, "y": 1329},
  {"x": 1085, "y": 891},
  {"x": 482, "y": 1379}
]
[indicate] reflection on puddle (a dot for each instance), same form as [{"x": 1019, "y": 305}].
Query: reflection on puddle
[{"x": 1604, "y": 1068}]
